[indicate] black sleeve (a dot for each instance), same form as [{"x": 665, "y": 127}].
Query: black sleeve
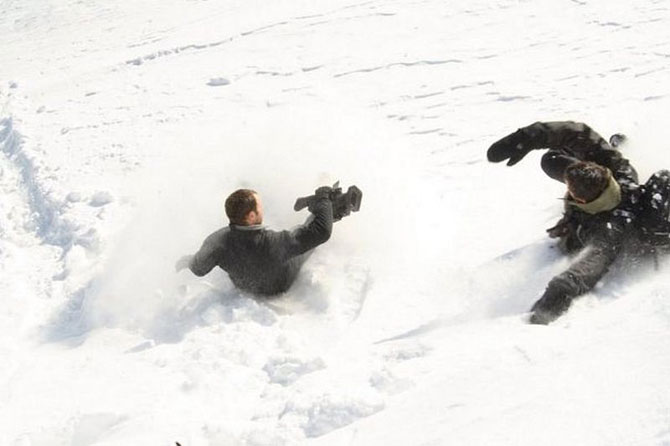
[
  {"x": 590, "y": 267},
  {"x": 569, "y": 142},
  {"x": 569, "y": 138},
  {"x": 578, "y": 141},
  {"x": 209, "y": 254},
  {"x": 308, "y": 236},
  {"x": 573, "y": 138}
]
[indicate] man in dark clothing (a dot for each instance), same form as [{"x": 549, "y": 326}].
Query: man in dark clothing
[
  {"x": 259, "y": 260},
  {"x": 607, "y": 212}
]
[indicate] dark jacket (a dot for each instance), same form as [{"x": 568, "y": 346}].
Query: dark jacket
[
  {"x": 570, "y": 142},
  {"x": 602, "y": 236},
  {"x": 260, "y": 260}
]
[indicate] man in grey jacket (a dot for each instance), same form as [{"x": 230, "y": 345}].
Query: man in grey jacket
[{"x": 259, "y": 260}]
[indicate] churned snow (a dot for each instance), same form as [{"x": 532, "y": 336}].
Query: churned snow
[{"x": 124, "y": 125}]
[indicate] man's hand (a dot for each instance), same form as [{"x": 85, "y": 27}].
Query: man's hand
[
  {"x": 323, "y": 192},
  {"x": 512, "y": 147},
  {"x": 183, "y": 263},
  {"x": 560, "y": 229}
]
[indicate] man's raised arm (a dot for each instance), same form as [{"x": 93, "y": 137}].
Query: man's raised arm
[
  {"x": 314, "y": 232},
  {"x": 571, "y": 138}
]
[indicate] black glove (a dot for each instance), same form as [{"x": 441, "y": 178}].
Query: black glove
[
  {"x": 512, "y": 147},
  {"x": 617, "y": 139},
  {"x": 560, "y": 229},
  {"x": 321, "y": 193},
  {"x": 553, "y": 303},
  {"x": 324, "y": 192}
]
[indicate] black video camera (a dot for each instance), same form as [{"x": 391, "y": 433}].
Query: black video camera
[{"x": 343, "y": 203}]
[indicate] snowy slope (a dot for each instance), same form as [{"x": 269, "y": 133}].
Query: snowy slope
[{"x": 123, "y": 126}]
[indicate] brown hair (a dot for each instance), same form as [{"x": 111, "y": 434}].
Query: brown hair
[
  {"x": 586, "y": 180},
  {"x": 239, "y": 204}
]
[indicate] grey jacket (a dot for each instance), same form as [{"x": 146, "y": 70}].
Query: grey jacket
[{"x": 260, "y": 260}]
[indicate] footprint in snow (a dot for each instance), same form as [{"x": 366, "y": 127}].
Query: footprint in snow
[
  {"x": 218, "y": 82},
  {"x": 286, "y": 370},
  {"x": 100, "y": 199}
]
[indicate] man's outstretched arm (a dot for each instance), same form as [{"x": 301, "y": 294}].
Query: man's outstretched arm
[
  {"x": 207, "y": 257},
  {"x": 571, "y": 138},
  {"x": 568, "y": 142}
]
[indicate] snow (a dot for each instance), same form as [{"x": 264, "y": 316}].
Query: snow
[{"x": 124, "y": 125}]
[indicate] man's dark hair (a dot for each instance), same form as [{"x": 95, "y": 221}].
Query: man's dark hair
[
  {"x": 586, "y": 180},
  {"x": 239, "y": 204}
]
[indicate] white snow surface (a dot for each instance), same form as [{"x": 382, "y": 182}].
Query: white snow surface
[{"x": 124, "y": 125}]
